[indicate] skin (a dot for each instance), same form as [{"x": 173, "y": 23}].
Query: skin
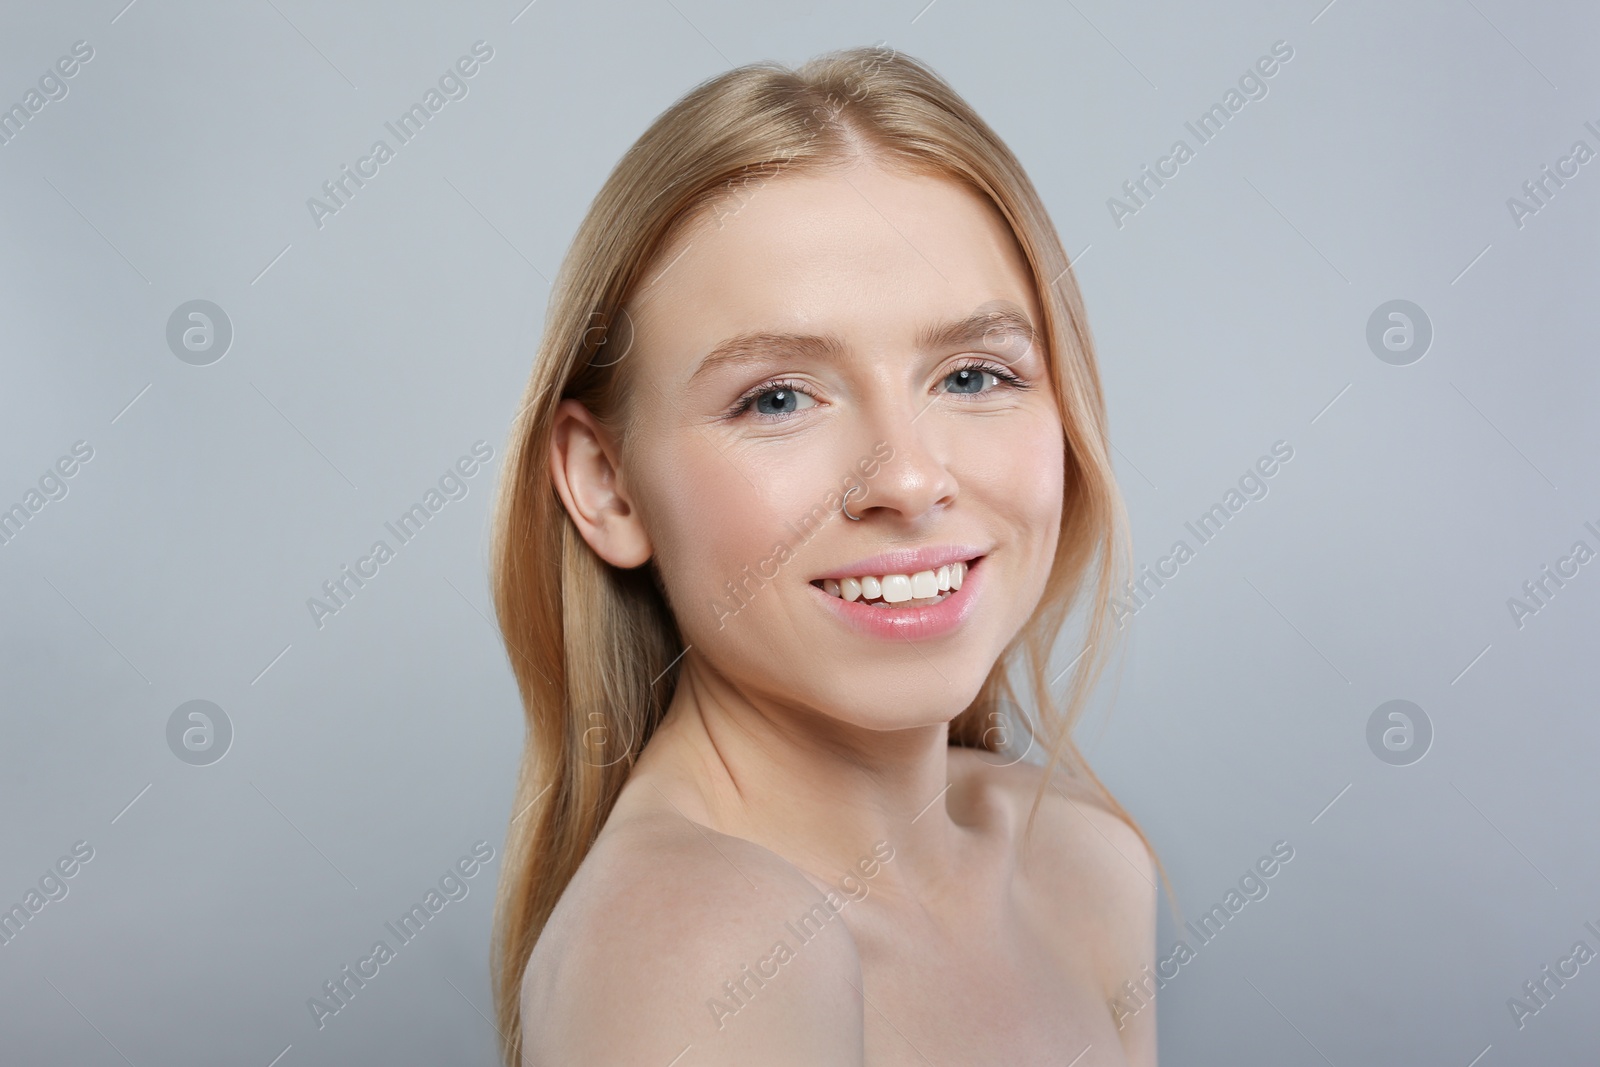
[{"x": 797, "y": 754}]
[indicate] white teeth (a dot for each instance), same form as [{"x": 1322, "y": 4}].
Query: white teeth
[{"x": 930, "y": 586}]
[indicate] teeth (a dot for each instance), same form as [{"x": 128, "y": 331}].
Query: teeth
[{"x": 923, "y": 587}]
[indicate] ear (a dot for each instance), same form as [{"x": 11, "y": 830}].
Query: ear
[{"x": 585, "y": 466}]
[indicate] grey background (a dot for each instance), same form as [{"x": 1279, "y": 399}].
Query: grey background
[{"x": 370, "y": 354}]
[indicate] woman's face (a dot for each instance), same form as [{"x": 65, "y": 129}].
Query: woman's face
[{"x": 734, "y": 479}]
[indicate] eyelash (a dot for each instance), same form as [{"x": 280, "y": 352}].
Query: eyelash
[{"x": 744, "y": 403}]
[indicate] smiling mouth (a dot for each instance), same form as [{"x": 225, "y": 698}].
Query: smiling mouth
[{"x": 898, "y": 591}]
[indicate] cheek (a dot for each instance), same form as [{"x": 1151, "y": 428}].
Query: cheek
[
  {"x": 717, "y": 518},
  {"x": 1020, "y": 469}
]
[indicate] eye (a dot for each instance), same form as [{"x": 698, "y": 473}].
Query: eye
[
  {"x": 968, "y": 379},
  {"x": 773, "y": 400}
]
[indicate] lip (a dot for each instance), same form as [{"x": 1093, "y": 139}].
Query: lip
[
  {"x": 911, "y": 624},
  {"x": 905, "y": 561}
]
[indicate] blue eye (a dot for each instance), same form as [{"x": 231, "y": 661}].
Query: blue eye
[
  {"x": 969, "y": 378},
  {"x": 774, "y": 400},
  {"x": 777, "y": 400}
]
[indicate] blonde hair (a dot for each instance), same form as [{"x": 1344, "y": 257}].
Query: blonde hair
[{"x": 594, "y": 648}]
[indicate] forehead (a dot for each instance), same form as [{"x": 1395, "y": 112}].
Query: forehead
[{"x": 866, "y": 253}]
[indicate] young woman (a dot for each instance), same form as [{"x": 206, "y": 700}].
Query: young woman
[{"x": 812, "y": 456}]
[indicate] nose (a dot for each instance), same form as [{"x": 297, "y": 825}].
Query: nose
[{"x": 916, "y": 481}]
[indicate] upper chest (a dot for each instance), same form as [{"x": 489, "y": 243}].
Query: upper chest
[{"x": 1010, "y": 979}]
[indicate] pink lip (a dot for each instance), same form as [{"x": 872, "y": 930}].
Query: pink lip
[
  {"x": 904, "y": 561},
  {"x": 912, "y": 624}
]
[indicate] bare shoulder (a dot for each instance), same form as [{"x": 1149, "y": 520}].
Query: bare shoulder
[
  {"x": 1077, "y": 838},
  {"x": 1090, "y": 872},
  {"x": 672, "y": 935}
]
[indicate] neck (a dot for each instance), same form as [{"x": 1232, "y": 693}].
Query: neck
[{"x": 831, "y": 797}]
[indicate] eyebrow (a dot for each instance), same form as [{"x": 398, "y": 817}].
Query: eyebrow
[{"x": 996, "y": 317}]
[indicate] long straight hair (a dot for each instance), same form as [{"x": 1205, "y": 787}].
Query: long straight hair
[{"x": 595, "y": 648}]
